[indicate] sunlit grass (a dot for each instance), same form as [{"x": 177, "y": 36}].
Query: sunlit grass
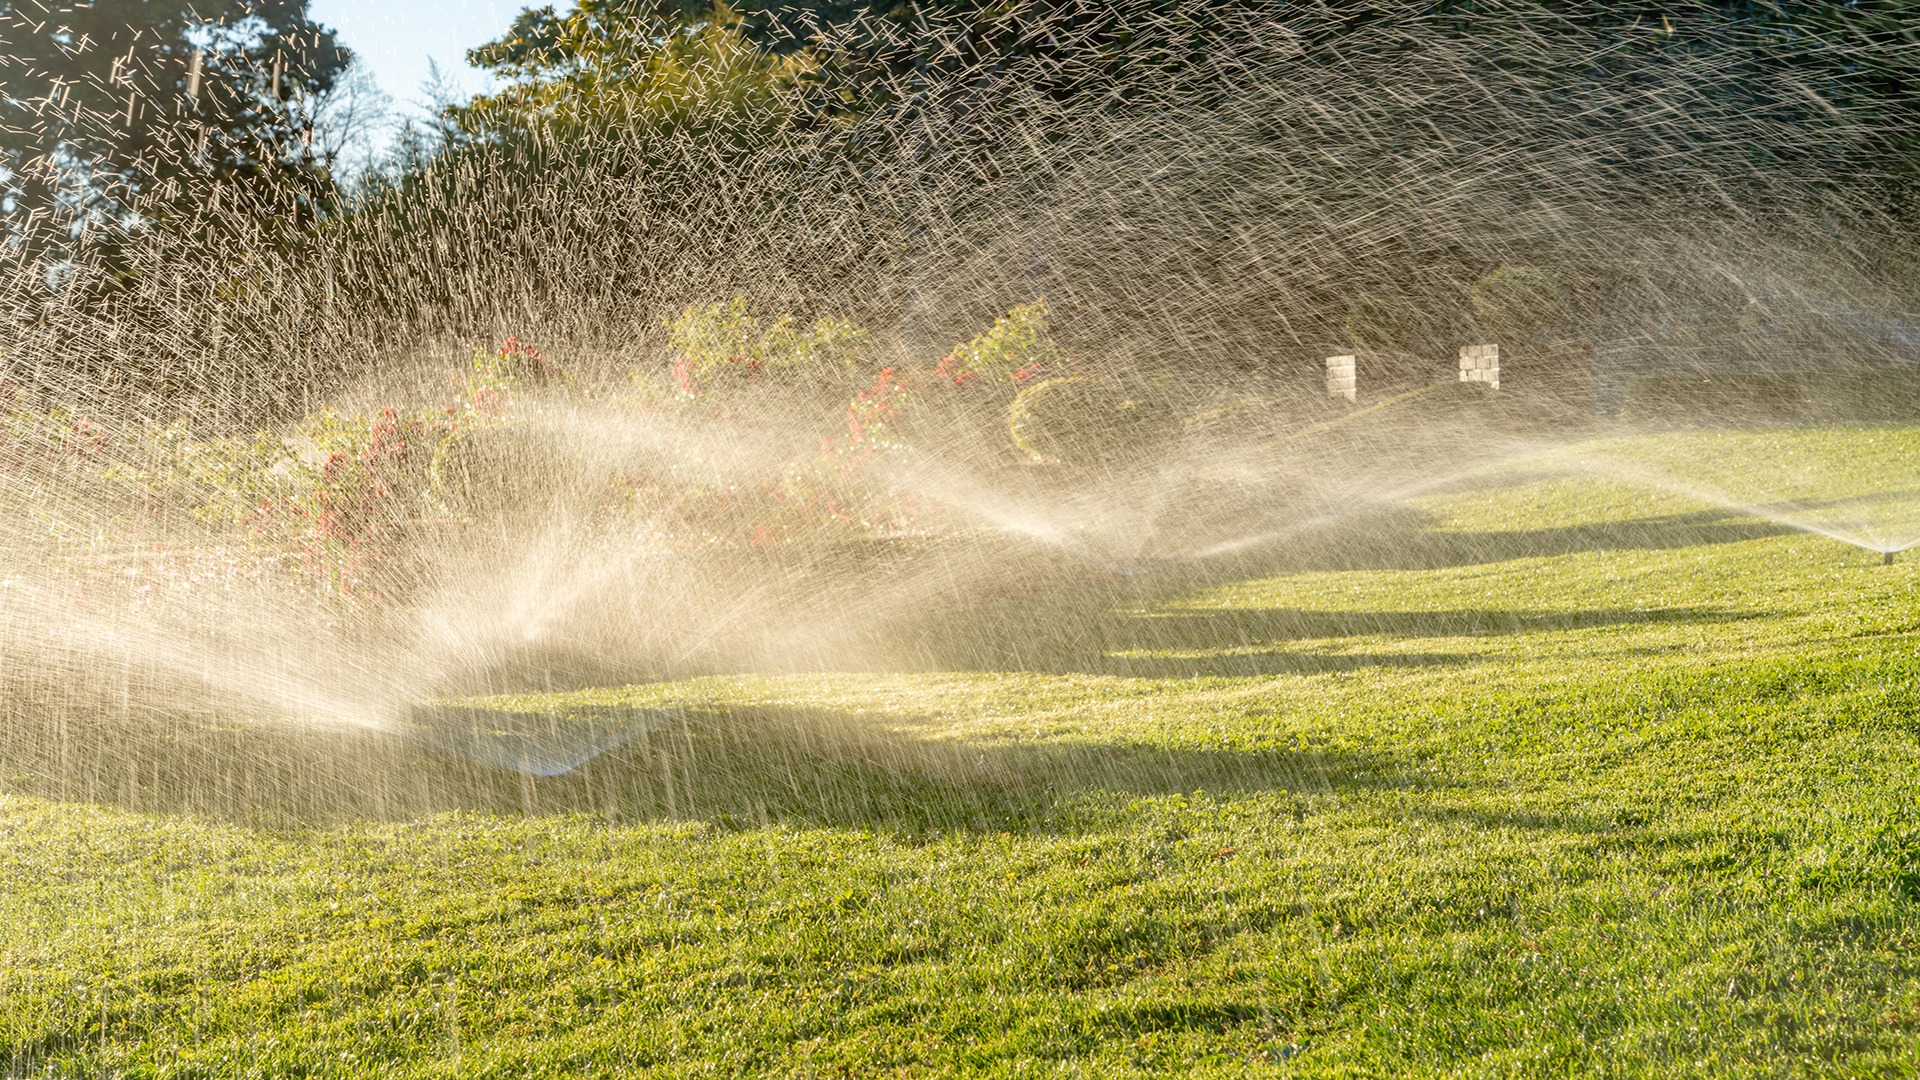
[
  {"x": 1859, "y": 483},
  {"x": 1540, "y": 776}
]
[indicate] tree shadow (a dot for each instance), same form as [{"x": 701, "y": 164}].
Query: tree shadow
[
  {"x": 1437, "y": 550},
  {"x": 1135, "y": 628},
  {"x": 737, "y": 767},
  {"x": 1254, "y": 641},
  {"x": 1243, "y": 662},
  {"x": 1076, "y": 607},
  {"x": 1365, "y": 526},
  {"x": 1872, "y": 498},
  {"x": 859, "y": 769},
  {"x": 1402, "y": 538}
]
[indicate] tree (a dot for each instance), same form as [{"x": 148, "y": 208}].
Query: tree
[
  {"x": 664, "y": 69},
  {"x": 113, "y": 110}
]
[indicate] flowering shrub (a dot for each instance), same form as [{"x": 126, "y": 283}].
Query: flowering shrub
[
  {"x": 341, "y": 501},
  {"x": 91, "y": 506},
  {"x": 900, "y": 409},
  {"x": 721, "y": 341},
  {"x": 50, "y": 463},
  {"x": 348, "y": 516},
  {"x": 357, "y": 507},
  {"x": 30, "y": 439},
  {"x": 493, "y": 373},
  {"x": 959, "y": 402},
  {"x": 793, "y": 369},
  {"x": 873, "y": 412},
  {"x": 1019, "y": 347},
  {"x": 845, "y": 489}
]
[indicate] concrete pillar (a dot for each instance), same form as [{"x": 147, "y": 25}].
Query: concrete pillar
[
  {"x": 1480, "y": 363},
  {"x": 1340, "y": 380}
]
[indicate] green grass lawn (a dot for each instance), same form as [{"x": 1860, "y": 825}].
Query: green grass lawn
[
  {"x": 1858, "y": 482},
  {"x": 1538, "y": 776}
]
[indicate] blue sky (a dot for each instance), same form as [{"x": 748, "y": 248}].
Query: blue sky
[{"x": 395, "y": 39}]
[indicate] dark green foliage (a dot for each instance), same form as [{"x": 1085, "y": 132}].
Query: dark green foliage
[
  {"x": 1386, "y": 323},
  {"x": 108, "y": 109},
  {"x": 1227, "y": 177},
  {"x": 543, "y": 42},
  {"x": 1795, "y": 63},
  {"x": 1519, "y": 303}
]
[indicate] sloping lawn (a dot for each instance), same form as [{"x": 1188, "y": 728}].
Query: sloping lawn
[{"x": 1541, "y": 776}]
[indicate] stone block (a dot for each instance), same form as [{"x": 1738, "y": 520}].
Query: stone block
[
  {"x": 1480, "y": 363},
  {"x": 1340, "y": 377}
]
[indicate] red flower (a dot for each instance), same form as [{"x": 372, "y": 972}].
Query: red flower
[{"x": 1028, "y": 372}]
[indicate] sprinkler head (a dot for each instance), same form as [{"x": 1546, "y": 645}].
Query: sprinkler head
[{"x": 1886, "y": 558}]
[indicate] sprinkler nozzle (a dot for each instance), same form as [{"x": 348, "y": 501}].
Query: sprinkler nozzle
[{"x": 1886, "y": 558}]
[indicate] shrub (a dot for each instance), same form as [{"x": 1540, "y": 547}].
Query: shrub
[
  {"x": 1519, "y": 303},
  {"x": 352, "y": 493},
  {"x": 349, "y": 516},
  {"x": 1388, "y": 323},
  {"x": 1019, "y": 346},
  {"x": 722, "y": 340},
  {"x": 930, "y": 411},
  {"x": 1081, "y": 421},
  {"x": 492, "y": 374}
]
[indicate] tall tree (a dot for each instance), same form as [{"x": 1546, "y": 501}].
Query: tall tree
[
  {"x": 111, "y": 110},
  {"x": 657, "y": 66}
]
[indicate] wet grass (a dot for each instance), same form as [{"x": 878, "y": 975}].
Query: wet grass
[
  {"x": 1542, "y": 776},
  {"x": 1853, "y": 481}
]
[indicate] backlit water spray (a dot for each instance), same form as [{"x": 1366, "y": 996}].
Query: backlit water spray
[
  {"x": 1857, "y": 484},
  {"x": 877, "y": 374}
]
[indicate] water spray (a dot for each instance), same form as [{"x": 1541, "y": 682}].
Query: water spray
[{"x": 757, "y": 492}]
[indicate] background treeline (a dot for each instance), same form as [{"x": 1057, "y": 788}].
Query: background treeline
[{"x": 1214, "y": 188}]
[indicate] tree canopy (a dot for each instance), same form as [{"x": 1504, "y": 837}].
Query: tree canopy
[
  {"x": 109, "y": 105},
  {"x": 618, "y": 64},
  {"x": 1801, "y": 63},
  {"x": 1247, "y": 168}
]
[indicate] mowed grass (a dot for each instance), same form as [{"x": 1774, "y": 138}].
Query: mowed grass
[
  {"x": 1859, "y": 482},
  {"x": 1541, "y": 776}
]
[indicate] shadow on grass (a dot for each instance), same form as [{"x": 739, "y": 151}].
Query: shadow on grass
[
  {"x": 1102, "y": 639},
  {"x": 1438, "y": 549},
  {"x": 1871, "y": 498},
  {"x": 1088, "y": 614},
  {"x": 751, "y": 765},
  {"x": 1399, "y": 539},
  {"x": 744, "y": 767}
]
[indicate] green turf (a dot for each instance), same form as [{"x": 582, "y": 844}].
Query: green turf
[
  {"x": 1540, "y": 776},
  {"x": 1859, "y": 482}
]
